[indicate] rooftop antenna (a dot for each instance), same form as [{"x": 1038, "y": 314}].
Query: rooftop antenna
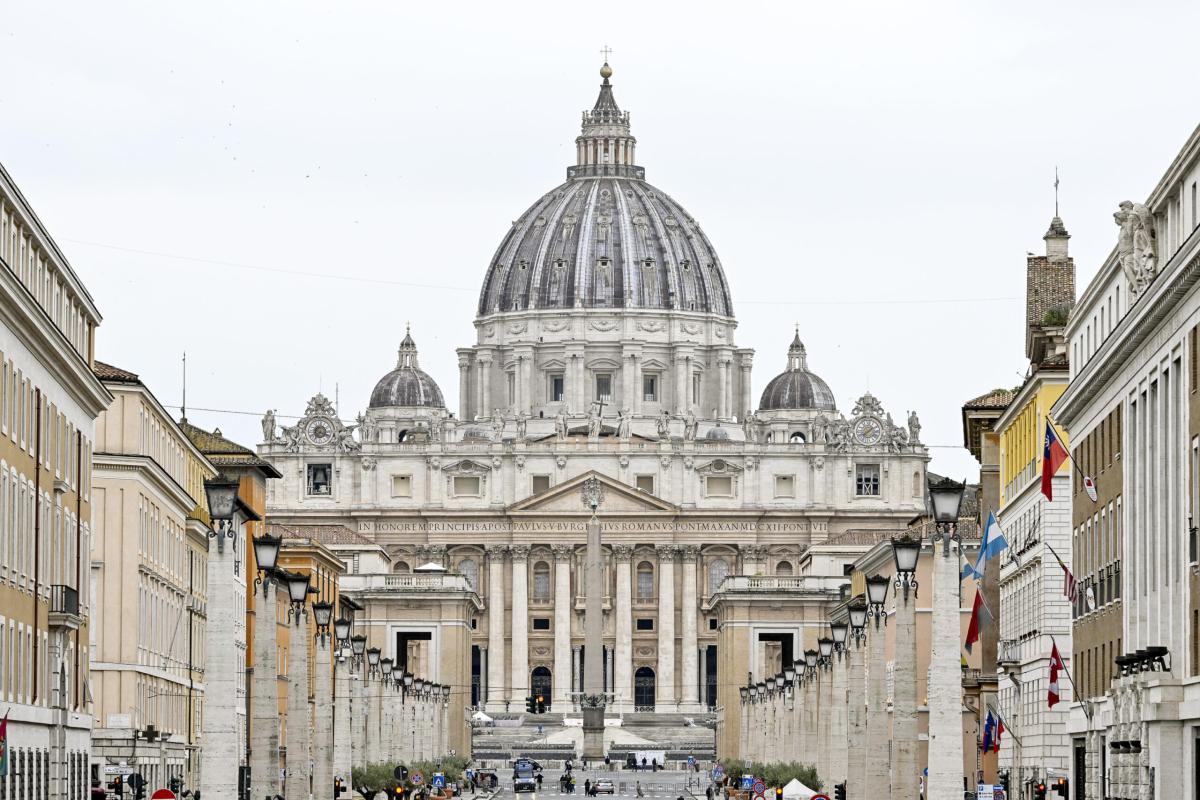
[
  {"x": 1056, "y": 190},
  {"x": 183, "y": 408}
]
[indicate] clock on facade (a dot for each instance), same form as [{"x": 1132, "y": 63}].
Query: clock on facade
[
  {"x": 319, "y": 431},
  {"x": 868, "y": 431}
]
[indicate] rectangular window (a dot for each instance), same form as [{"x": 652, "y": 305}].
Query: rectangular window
[
  {"x": 650, "y": 388},
  {"x": 541, "y": 483},
  {"x": 511, "y": 377},
  {"x": 712, "y": 623},
  {"x": 718, "y": 486},
  {"x": 557, "y": 387},
  {"x": 320, "y": 479},
  {"x": 645, "y": 483},
  {"x": 603, "y": 386},
  {"x": 466, "y": 486},
  {"x": 695, "y": 388},
  {"x": 866, "y": 480},
  {"x": 541, "y": 623},
  {"x": 785, "y": 486},
  {"x": 402, "y": 486},
  {"x": 645, "y": 624}
]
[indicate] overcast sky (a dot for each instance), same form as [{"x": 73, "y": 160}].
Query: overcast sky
[{"x": 277, "y": 187}]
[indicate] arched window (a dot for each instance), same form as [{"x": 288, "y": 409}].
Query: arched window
[
  {"x": 797, "y": 438},
  {"x": 643, "y": 689},
  {"x": 783, "y": 568},
  {"x": 645, "y": 581},
  {"x": 470, "y": 571},
  {"x": 401, "y": 567},
  {"x": 717, "y": 570},
  {"x": 541, "y": 581}
]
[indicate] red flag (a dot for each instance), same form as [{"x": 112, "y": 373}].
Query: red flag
[
  {"x": 1056, "y": 664},
  {"x": 1053, "y": 456},
  {"x": 1070, "y": 587},
  {"x": 999, "y": 733},
  {"x": 979, "y": 615}
]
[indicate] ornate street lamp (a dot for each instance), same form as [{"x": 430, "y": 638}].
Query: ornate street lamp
[
  {"x": 445, "y": 693},
  {"x": 789, "y": 675},
  {"x": 906, "y": 550},
  {"x": 358, "y": 646},
  {"x": 779, "y": 682},
  {"x": 298, "y": 594},
  {"x": 745, "y": 694},
  {"x": 341, "y": 632},
  {"x": 858, "y": 618},
  {"x": 825, "y": 647},
  {"x": 839, "y": 631},
  {"x": 419, "y": 686},
  {"x": 810, "y": 661},
  {"x": 877, "y": 589},
  {"x": 762, "y": 690},
  {"x": 408, "y": 681},
  {"x": 945, "y": 495},
  {"x": 322, "y": 614},
  {"x": 224, "y": 508},
  {"x": 266, "y": 556},
  {"x": 372, "y": 660},
  {"x": 385, "y": 666}
]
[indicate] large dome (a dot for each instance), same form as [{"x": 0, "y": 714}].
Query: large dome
[
  {"x": 605, "y": 238},
  {"x": 407, "y": 385},
  {"x": 797, "y": 388}
]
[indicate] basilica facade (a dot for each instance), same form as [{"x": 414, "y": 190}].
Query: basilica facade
[{"x": 604, "y": 345}]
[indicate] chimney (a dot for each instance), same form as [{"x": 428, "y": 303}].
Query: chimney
[{"x": 1056, "y": 240}]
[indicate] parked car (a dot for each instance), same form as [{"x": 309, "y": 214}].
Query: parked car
[{"x": 603, "y": 786}]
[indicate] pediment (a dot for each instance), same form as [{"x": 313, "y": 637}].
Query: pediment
[
  {"x": 466, "y": 467},
  {"x": 566, "y": 498}
]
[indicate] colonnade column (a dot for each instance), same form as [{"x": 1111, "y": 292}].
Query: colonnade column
[
  {"x": 945, "y": 682},
  {"x": 342, "y": 729},
  {"x": 299, "y": 721},
  {"x": 688, "y": 610},
  {"x": 373, "y": 708},
  {"x": 264, "y": 700},
  {"x": 520, "y": 621},
  {"x": 623, "y": 628},
  {"x": 495, "y": 678},
  {"x": 563, "y": 673},
  {"x": 218, "y": 763},
  {"x": 576, "y": 670},
  {"x": 905, "y": 769},
  {"x": 877, "y": 768},
  {"x": 665, "y": 698},
  {"x": 855, "y": 721},
  {"x": 837, "y": 722},
  {"x": 323, "y": 722}
]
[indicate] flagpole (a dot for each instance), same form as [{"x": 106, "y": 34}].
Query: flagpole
[
  {"x": 1067, "y": 450},
  {"x": 1007, "y": 729},
  {"x": 1071, "y": 678}
]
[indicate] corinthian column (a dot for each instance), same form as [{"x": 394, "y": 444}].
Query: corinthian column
[
  {"x": 520, "y": 621},
  {"x": 495, "y": 678},
  {"x": 562, "y": 627},
  {"x": 687, "y": 618},
  {"x": 623, "y": 669},
  {"x": 665, "y": 695}
]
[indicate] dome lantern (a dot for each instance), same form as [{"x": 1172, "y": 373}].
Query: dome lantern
[
  {"x": 407, "y": 385},
  {"x": 605, "y": 145},
  {"x": 797, "y": 388}
]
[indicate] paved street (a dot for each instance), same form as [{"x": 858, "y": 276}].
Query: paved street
[{"x": 663, "y": 784}]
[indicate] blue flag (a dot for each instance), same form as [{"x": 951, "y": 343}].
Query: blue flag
[{"x": 992, "y": 545}]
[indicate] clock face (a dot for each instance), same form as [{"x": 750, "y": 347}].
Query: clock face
[
  {"x": 319, "y": 431},
  {"x": 868, "y": 431}
]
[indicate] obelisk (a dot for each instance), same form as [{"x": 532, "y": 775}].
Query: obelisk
[{"x": 593, "y": 700}]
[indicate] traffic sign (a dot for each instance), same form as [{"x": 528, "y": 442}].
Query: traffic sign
[
  {"x": 162, "y": 794},
  {"x": 417, "y": 778},
  {"x": 718, "y": 772},
  {"x": 758, "y": 788},
  {"x": 819, "y": 797},
  {"x": 400, "y": 772},
  {"x": 118, "y": 769},
  {"x": 439, "y": 780}
]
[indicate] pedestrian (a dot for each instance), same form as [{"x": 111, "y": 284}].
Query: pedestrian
[
  {"x": 639, "y": 787},
  {"x": 587, "y": 788},
  {"x": 539, "y": 781},
  {"x": 643, "y": 763}
]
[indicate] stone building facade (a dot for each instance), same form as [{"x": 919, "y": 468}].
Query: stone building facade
[
  {"x": 604, "y": 345},
  {"x": 49, "y": 401},
  {"x": 1134, "y": 383}
]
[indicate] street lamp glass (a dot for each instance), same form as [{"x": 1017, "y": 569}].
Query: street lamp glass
[
  {"x": 789, "y": 675},
  {"x": 358, "y": 644},
  {"x": 445, "y": 692},
  {"x": 858, "y": 617},
  {"x": 298, "y": 587},
  {"x": 762, "y": 688},
  {"x": 266, "y": 551},
  {"x": 744, "y": 692},
  {"x": 419, "y": 684},
  {"x": 408, "y": 679},
  {"x": 946, "y": 495},
  {"x": 810, "y": 658},
  {"x": 322, "y": 613},
  {"x": 839, "y": 630},
  {"x": 221, "y": 493},
  {"x": 826, "y": 646},
  {"x": 341, "y": 629},
  {"x": 373, "y": 656},
  {"x": 385, "y": 664},
  {"x": 906, "y": 549},
  {"x": 877, "y": 589}
]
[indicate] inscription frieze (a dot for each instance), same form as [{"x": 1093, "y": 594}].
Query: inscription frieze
[{"x": 580, "y": 526}]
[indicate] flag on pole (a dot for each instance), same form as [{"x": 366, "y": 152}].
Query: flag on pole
[
  {"x": 988, "y": 725},
  {"x": 992, "y": 545},
  {"x": 999, "y": 732},
  {"x": 980, "y": 615},
  {"x": 1056, "y": 664},
  {"x": 1053, "y": 456},
  {"x": 1070, "y": 586},
  {"x": 4, "y": 745}
]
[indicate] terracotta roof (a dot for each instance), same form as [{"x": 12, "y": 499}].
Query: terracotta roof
[
  {"x": 996, "y": 398},
  {"x": 107, "y": 372},
  {"x": 325, "y": 534},
  {"x": 224, "y": 453}
]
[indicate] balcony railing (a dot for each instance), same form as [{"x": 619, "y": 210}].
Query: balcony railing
[
  {"x": 440, "y": 581},
  {"x": 64, "y": 607},
  {"x": 1008, "y": 651}
]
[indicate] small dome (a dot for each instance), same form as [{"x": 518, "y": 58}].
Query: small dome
[
  {"x": 407, "y": 384},
  {"x": 717, "y": 434},
  {"x": 797, "y": 388}
]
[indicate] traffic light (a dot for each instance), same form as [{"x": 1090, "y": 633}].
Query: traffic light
[
  {"x": 541, "y": 704},
  {"x": 1062, "y": 788},
  {"x": 175, "y": 784},
  {"x": 839, "y": 791},
  {"x": 778, "y": 793},
  {"x": 117, "y": 786},
  {"x": 399, "y": 793},
  {"x": 1039, "y": 791},
  {"x": 531, "y": 704},
  {"x": 337, "y": 788}
]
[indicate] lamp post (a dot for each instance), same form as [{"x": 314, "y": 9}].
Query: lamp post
[
  {"x": 220, "y": 758},
  {"x": 945, "y": 671},
  {"x": 906, "y": 550}
]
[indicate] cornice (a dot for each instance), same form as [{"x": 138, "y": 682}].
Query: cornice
[{"x": 118, "y": 464}]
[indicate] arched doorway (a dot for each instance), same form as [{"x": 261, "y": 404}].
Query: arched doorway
[
  {"x": 542, "y": 683},
  {"x": 643, "y": 689}
]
